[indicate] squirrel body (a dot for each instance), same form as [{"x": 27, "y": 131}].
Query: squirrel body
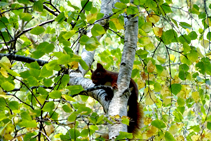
[{"x": 102, "y": 76}]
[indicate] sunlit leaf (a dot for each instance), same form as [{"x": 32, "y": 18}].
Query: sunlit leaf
[
  {"x": 158, "y": 123},
  {"x": 37, "y": 30}
]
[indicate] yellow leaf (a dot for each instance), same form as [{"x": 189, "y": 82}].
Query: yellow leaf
[
  {"x": 108, "y": 40},
  {"x": 49, "y": 129},
  {"x": 4, "y": 72},
  {"x": 152, "y": 131},
  {"x": 195, "y": 96},
  {"x": 166, "y": 99},
  {"x": 144, "y": 76},
  {"x": 150, "y": 97},
  {"x": 164, "y": 74},
  {"x": 166, "y": 94},
  {"x": 158, "y": 31},
  {"x": 173, "y": 129},
  {"x": 180, "y": 138},
  {"x": 208, "y": 21},
  {"x": 73, "y": 65},
  {"x": 196, "y": 138},
  {"x": 175, "y": 80},
  {"x": 184, "y": 93},
  {"x": 3, "y": 94},
  {"x": 147, "y": 120},
  {"x": 205, "y": 43},
  {"x": 172, "y": 57},
  {"x": 118, "y": 25},
  {"x": 150, "y": 67},
  {"x": 207, "y": 135},
  {"x": 5, "y": 63},
  {"x": 161, "y": 59},
  {"x": 91, "y": 18},
  {"x": 116, "y": 116},
  {"x": 140, "y": 83},
  {"x": 149, "y": 47},
  {"x": 147, "y": 27},
  {"x": 153, "y": 18}
]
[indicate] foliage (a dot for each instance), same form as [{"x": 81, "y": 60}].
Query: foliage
[{"x": 172, "y": 67}]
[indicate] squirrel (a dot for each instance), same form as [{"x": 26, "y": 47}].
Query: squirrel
[{"x": 101, "y": 76}]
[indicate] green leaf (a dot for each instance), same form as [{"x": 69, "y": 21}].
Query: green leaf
[
  {"x": 143, "y": 53},
  {"x": 25, "y": 116},
  {"x": 66, "y": 108},
  {"x": 24, "y": 1},
  {"x": 125, "y": 121},
  {"x": 185, "y": 25},
  {"x": 83, "y": 64},
  {"x": 158, "y": 123},
  {"x": 75, "y": 89},
  {"x": 139, "y": 2},
  {"x": 55, "y": 94},
  {"x": 124, "y": 135},
  {"x": 166, "y": 8},
  {"x": 7, "y": 86},
  {"x": 14, "y": 105},
  {"x": 209, "y": 35},
  {"x": 64, "y": 59},
  {"x": 60, "y": 18},
  {"x": 29, "y": 136},
  {"x": 157, "y": 87},
  {"x": 180, "y": 101},
  {"x": 195, "y": 128},
  {"x": 26, "y": 16},
  {"x": 184, "y": 67},
  {"x": 48, "y": 107},
  {"x": 28, "y": 123},
  {"x": 176, "y": 88},
  {"x": 169, "y": 36},
  {"x": 37, "y": 54},
  {"x": 169, "y": 136},
  {"x": 45, "y": 72},
  {"x": 45, "y": 47},
  {"x": 193, "y": 35},
  {"x": 125, "y": 1},
  {"x": 72, "y": 117},
  {"x": 90, "y": 43},
  {"x": 120, "y": 5},
  {"x": 193, "y": 55},
  {"x": 68, "y": 34},
  {"x": 85, "y": 133},
  {"x": 74, "y": 133},
  {"x": 32, "y": 81},
  {"x": 182, "y": 75},
  {"x": 209, "y": 125},
  {"x": 38, "y": 6},
  {"x": 159, "y": 69},
  {"x": 93, "y": 128},
  {"x": 178, "y": 116},
  {"x": 88, "y": 5},
  {"x": 37, "y": 30},
  {"x": 84, "y": 110},
  {"x": 97, "y": 30},
  {"x": 186, "y": 47}
]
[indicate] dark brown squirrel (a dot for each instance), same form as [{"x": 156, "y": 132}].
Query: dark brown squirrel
[{"x": 102, "y": 76}]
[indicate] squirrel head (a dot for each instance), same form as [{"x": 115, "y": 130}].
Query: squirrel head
[{"x": 98, "y": 76}]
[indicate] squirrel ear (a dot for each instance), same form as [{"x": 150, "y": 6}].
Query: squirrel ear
[
  {"x": 91, "y": 70},
  {"x": 99, "y": 66}
]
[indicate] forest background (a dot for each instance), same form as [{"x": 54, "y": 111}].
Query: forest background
[{"x": 47, "y": 48}]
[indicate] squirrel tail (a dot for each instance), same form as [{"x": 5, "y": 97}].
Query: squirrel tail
[{"x": 136, "y": 115}]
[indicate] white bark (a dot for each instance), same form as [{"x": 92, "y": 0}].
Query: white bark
[{"x": 118, "y": 105}]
